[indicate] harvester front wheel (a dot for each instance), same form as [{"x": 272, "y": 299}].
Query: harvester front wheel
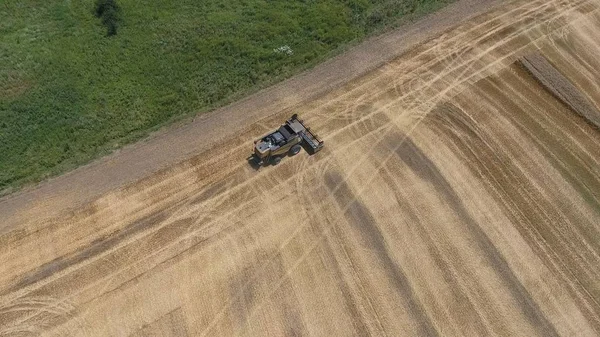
[{"x": 275, "y": 160}]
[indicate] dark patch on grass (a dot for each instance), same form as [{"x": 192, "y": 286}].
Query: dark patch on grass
[
  {"x": 110, "y": 14},
  {"x": 364, "y": 224}
]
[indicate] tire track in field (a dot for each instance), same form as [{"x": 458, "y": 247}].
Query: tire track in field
[
  {"x": 185, "y": 210},
  {"x": 446, "y": 49},
  {"x": 488, "y": 159}
]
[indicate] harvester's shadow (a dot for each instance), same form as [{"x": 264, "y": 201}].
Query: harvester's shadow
[
  {"x": 254, "y": 162},
  {"x": 307, "y": 148}
]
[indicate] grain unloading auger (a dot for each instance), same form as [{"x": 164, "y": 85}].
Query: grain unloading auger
[{"x": 287, "y": 140}]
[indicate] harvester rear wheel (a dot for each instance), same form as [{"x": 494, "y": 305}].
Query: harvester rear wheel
[{"x": 295, "y": 149}]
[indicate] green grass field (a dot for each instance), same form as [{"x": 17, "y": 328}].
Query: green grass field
[{"x": 69, "y": 93}]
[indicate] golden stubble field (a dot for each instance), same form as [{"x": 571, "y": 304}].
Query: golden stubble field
[{"x": 458, "y": 194}]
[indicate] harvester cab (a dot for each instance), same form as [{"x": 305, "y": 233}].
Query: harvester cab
[{"x": 287, "y": 140}]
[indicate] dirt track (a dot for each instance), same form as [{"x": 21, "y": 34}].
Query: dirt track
[{"x": 456, "y": 195}]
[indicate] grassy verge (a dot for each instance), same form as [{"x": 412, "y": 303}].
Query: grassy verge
[{"x": 69, "y": 93}]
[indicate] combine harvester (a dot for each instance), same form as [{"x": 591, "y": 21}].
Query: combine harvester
[{"x": 288, "y": 139}]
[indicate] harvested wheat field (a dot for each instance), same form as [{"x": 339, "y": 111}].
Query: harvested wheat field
[{"x": 458, "y": 193}]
